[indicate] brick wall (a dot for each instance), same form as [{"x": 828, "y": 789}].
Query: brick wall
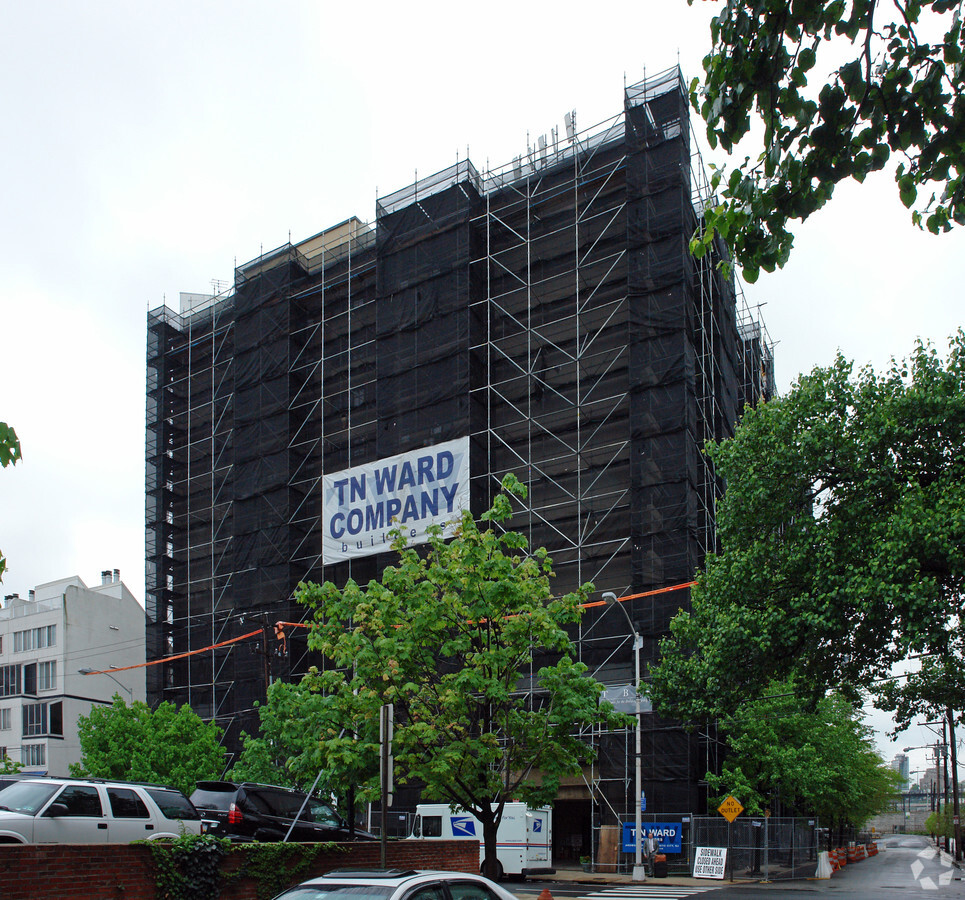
[{"x": 126, "y": 871}]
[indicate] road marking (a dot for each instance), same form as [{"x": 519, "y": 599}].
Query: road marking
[
  {"x": 927, "y": 883},
  {"x": 643, "y": 892}
]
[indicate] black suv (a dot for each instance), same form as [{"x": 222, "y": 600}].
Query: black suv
[{"x": 264, "y": 812}]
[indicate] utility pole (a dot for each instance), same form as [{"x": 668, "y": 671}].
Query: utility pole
[
  {"x": 386, "y": 733},
  {"x": 956, "y": 802},
  {"x": 268, "y": 645},
  {"x": 266, "y": 655}
]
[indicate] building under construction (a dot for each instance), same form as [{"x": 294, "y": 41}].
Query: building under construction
[{"x": 547, "y": 314}]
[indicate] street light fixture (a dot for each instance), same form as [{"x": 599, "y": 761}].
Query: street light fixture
[
  {"x": 89, "y": 671},
  {"x": 639, "y": 872}
]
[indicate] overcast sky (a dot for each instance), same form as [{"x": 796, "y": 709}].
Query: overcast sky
[{"x": 149, "y": 148}]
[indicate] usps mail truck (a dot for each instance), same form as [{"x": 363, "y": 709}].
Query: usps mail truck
[{"x": 524, "y": 840}]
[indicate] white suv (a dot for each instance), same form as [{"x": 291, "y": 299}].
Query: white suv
[{"x": 91, "y": 811}]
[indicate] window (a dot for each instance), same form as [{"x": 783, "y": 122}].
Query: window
[
  {"x": 38, "y": 716},
  {"x": 30, "y": 678},
  {"x": 34, "y": 638},
  {"x": 5, "y": 719},
  {"x": 33, "y": 754},
  {"x": 432, "y": 826},
  {"x": 125, "y": 804},
  {"x": 9, "y": 681},
  {"x": 81, "y": 800},
  {"x": 470, "y": 890},
  {"x": 56, "y": 718},
  {"x": 429, "y": 892},
  {"x": 47, "y": 675},
  {"x": 34, "y": 719},
  {"x": 173, "y": 804}
]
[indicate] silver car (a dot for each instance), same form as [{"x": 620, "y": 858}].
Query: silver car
[
  {"x": 396, "y": 884},
  {"x": 91, "y": 811}
]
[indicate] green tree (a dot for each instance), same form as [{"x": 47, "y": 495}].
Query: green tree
[
  {"x": 832, "y": 89},
  {"x": 936, "y": 689},
  {"x": 939, "y": 824},
  {"x": 307, "y": 728},
  {"x": 135, "y": 743},
  {"x": 842, "y": 534},
  {"x": 449, "y": 637},
  {"x": 812, "y": 761},
  {"x": 9, "y": 456},
  {"x": 8, "y": 766}
]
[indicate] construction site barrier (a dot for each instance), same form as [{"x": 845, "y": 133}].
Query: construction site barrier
[{"x": 841, "y": 856}]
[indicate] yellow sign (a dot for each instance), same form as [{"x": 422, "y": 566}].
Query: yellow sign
[{"x": 730, "y": 809}]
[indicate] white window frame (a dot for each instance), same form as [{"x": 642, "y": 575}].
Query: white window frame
[
  {"x": 47, "y": 675},
  {"x": 33, "y": 754},
  {"x": 34, "y": 719},
  {"x": 11, "y": 681},
  {"x": 34, "y": 638}
]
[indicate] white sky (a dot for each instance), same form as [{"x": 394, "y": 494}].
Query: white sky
[{"x": 148, "y": 148}]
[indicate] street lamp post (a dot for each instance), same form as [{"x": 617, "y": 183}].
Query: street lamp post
[
  {"x": 89, "y": 671},
  {"x": 639, "y": 872}
]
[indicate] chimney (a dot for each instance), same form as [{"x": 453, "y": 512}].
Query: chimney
[
  {"x": 105, "y": 576},
  {"x": 117, "y": 575},
  {"x": 32, "y": 594}
]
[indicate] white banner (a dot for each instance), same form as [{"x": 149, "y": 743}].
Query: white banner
[
  {"x": 710, "y": 862},
  {"x": 410, "y": 491}
]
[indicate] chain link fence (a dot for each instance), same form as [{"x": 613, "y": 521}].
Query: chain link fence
[{"x": 771, "y": 849}]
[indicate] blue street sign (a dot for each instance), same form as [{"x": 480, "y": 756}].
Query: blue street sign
[{"x": 643, "y": 802}]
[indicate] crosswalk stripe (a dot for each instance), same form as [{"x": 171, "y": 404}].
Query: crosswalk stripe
[{"x": 667, "y": 892}]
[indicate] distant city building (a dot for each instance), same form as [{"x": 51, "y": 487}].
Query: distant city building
[
  {"x": 64, "y": 627},
  {"x": 902, "y": 766}
]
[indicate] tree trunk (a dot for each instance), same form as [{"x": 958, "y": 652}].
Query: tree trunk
[
  {"x": 350, "y": 803},
  {"x": 491, "y": 867}
]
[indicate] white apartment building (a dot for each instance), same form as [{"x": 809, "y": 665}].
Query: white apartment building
[{"x": 48, "y": 642}]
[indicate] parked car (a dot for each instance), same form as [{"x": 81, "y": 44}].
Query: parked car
[
  {"x": 92, "y": 811},
  {"x": 265, "y": 812},
  {"x": 396, "y": 884}
]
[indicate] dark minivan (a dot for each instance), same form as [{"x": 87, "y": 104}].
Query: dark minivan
[{"x": 264, "y": 812}]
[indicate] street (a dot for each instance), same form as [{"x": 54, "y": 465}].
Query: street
[{"x": 906, "y": 866}]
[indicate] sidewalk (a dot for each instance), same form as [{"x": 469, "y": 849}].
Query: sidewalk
[{"x": 576, "y": 875}]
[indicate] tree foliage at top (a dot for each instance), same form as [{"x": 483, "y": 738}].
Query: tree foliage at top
[
  {"x": 804, "y": 762},
  {"x": 448, "y": 636},
  {"x": 895, "y": 90},
  {"x": 169, "y": 745},
  {"x": 9, "y": 455},
  {"x": 842, "y": 533},
  {"x": 935, "y": 690}
]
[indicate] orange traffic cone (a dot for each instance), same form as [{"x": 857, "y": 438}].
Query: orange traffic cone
[{"x": 545, "y": 895}]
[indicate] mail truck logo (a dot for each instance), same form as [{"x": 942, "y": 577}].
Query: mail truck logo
[
  {"x": 537, "y": 824},
  {"x": 463, "y": 826}
]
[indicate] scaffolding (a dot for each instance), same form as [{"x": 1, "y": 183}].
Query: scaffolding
[{"x": 548, "y": 309}]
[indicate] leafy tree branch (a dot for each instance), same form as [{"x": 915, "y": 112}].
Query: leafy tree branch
[{"x": 894, "y": 94}]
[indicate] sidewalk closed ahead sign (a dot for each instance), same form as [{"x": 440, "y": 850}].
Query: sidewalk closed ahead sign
[{"x": 710, "y": 862}]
